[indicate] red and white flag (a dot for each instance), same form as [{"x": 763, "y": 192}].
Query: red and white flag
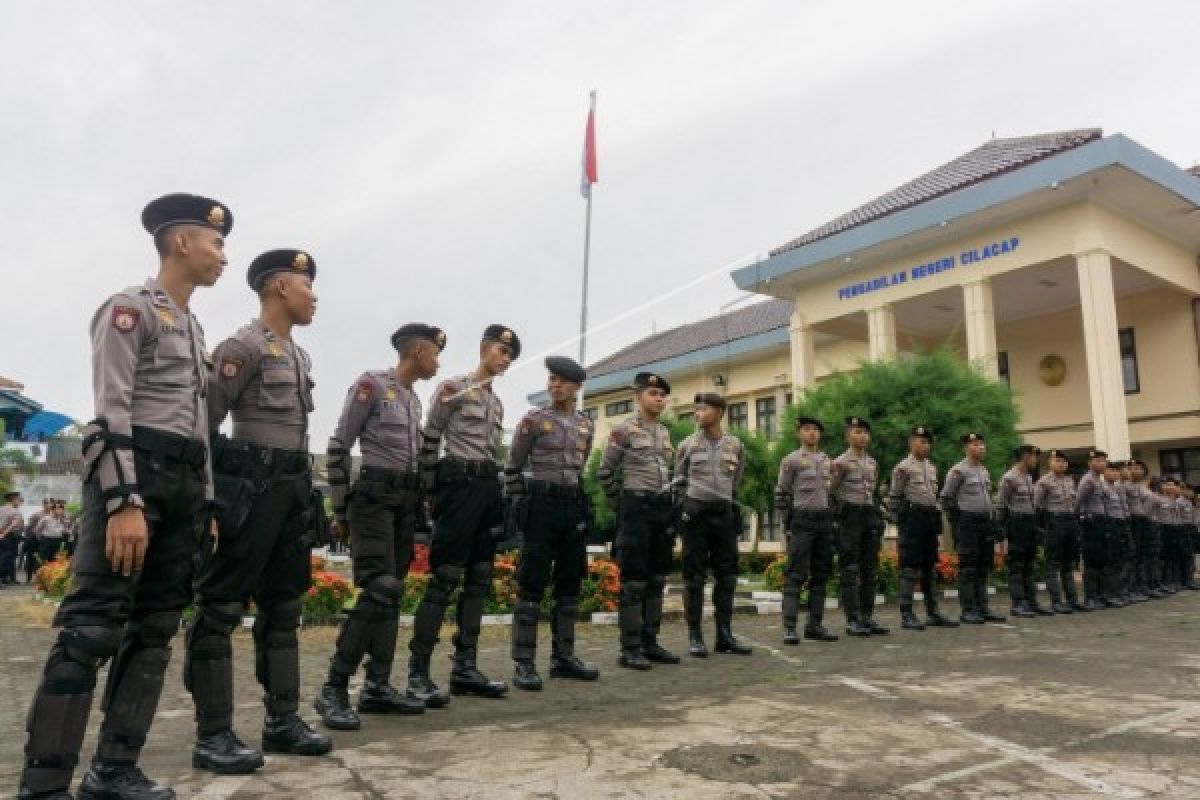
[{"x": 589, "y": 152}]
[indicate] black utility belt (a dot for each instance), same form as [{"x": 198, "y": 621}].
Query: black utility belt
[
  {"x": 396, "y": 478},
  {"x": 648, "y": 495},
  {"x": 859, "y": 508},
  {"x": 469, "y": 469},
  {"x": 549, "y": 489},
  {"x": 805, "y": 513},
  {"x": 170, "y": 446},
  {"x": 241, "y": 457},
  {"x": 975, "y": 514},
  {"x": 921, "y": 509},
  {"x": 718, "y": 506},
  {"x": 1063, "y": 515},
  {"x": 1021, "y": 515}
]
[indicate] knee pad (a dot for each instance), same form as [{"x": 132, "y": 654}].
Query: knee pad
[
  {"x": 444, "y": 582},
  {"x": 479, "y": 574},
  {"x": 850, "y": 571},
  {"x": 283, "y": 616},
  {"x": 157, "y": 629},
  {"x": 219, "y": 618},
  {"x": 386, "y": 590},
  {"x": 71, "y": 668}
]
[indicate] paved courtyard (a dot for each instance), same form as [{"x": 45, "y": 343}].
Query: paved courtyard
[{"x": 1095, "y": 705}]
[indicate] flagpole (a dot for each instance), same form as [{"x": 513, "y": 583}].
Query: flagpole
[{"x": 587, "y": 243}]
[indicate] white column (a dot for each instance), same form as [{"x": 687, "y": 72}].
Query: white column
[
  {"x": 979, "y": 318},
  {"x": 1107, "y": 389},
  {"x": 803, "y": 355},
  {"x": 881, "y": 332}
]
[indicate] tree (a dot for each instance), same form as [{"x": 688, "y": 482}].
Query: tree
[{"x": 936, "y": 389}]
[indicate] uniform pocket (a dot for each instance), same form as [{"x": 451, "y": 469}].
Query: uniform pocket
[{"x": 277, "y": 390}]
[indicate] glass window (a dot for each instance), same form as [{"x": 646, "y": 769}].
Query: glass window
[
  {"x": 764, "y": 415},
  {"x": 1129, "y": 364},
  {"x": 738, "y": 416},
  {"x": 1002, "y": 367},
  {"x": 769, "y": 525},
  {"x": 619, "y": 408},
  {"x": 1182, "y": 464},
  {"x": 590, "y": 413}
]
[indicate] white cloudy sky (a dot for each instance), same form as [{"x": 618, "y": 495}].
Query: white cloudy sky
[{"x": 427, "y": 154}]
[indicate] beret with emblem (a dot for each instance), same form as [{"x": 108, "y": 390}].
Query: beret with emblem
[
  {"x": 709, "y": 399},
  {"x": 1054, "y": 453},
  {"x": 858, "y": 422},
  {"x": 921, "y": 432},
  {"x": 566, "y": 368},
  {"x": 11, "y": 495},
  {"x": 275, "y": 261},
  {"x": 504, "y": 335},
  {"x": 1116, "y": 464},
  {"x": 1137, "y": 462},
  {"x": 651, "y": 380},
  {"x": 420, "y": 331},
  {"x": 1094, "y": 453},
  {"x": 971, "y": 436},
  {"x": 186, "y": 209},
  {"x": 801, "y": 421},
  {"x": 1020, "y": 451}
]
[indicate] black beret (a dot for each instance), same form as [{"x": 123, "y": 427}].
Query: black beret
[
  {"x": 1116, "y": 464},
  {"x": 1094, "y": 453},
  {"x": 971, "y": 436},
  {"x": 922, "y": 432},
  {"x": 285, "y": 260},
  {"x": 186, "y": 209},
  {"x": 810, "y": 421},
  {"x": 858, "y": 422},
  {"x": 1022, "y": 450},
  {"x": 651, "y": 380},
  {"x": 1137, "y": 461},
  {"x": 11, "y": 495},
  {"x": 420, "y": 331},
  {"x": 566, "y": 368},
  {"x": 505, "y": 336},
  {"x": 1054, "y": 452},
  {"x": 709, "y": 399}
]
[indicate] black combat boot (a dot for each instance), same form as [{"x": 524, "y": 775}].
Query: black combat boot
[
  {"x": 563, "y": 661},
  {"x": 224, "y": 753},
  {"x": 383, "y": 698},
  {"x": 465, "y": 677},
  {"x": 652, "y": 609},
  {"x": 1020, "y": 611},
  {"x": 790, "y": 608},
  {"x": 909, "y": 621},
  {"x": 728, "y": 643},
  {"x": 936, "y": 619},
  {"x": 693, "y": 611},
  {"x": 333, "y": 704},
  {"x": 25, "y": 793},
  {"x": 525, "y": 676},
  {"x": 111, "y": 781},
  {"x": 856, "y": 627},
  {"x": 633, "y": 658},
  {"x": 873, "y": 627},
  {"x": 421, "y": 686},
  {"x": 790, "y": 636},
  {"x": 289, "y": 734}
]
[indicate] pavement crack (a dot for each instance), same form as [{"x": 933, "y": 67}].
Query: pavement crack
[
  {"x": 357, "y": 779},
  {"x": 589, "y": 749}
]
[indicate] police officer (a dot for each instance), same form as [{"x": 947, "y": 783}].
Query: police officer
[
  {"x": 146, "y": 494},
  {"x": 967, "y": 501},
  {"x": 1124, "y": 547},
  {"x": 853, "y": 478},
  {"x": 1098, "y": 531},
  {"x": 11, "y": 524},
  {"x": 639, "y": 451},
  {"x": 1117, "y": 543},
  {"x": 1015, "y": 513},
  {"x": 802, "y": 496},
  {"x": 379, "y": 513},
  {"x": 554, "y": 442},
  {"x": 1185, "y": 547},
  {"x": 465, "y": 418},
  {"x": 266, "y": 510},
  {"x": 913, "y": 501},
  {"x": 708, "y": 470},
  {"x": 1140, "y": 500},
  {"x": 1054, "y": 511}
]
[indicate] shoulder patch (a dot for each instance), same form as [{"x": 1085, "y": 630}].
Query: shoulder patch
[
  {"x": 363, "y": 391},
  {"x": 125, "y": 318},
  {"x": 617, "y": 436},
  {"x": 449, "y": 390},
  {"x": 230, "y": 367}
]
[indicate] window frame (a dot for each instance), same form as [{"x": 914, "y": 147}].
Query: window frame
[
  {"x": 618, "y": 408},
  {"x": 1132, "y": 355},
  {"x": 744, "y": 409}
]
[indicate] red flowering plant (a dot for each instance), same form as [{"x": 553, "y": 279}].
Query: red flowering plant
[
  {"x": 53, "y": 578},
  {"x": 946, "y": 569},
  {"x": 600, "y": 586},
  {"x": 327, "y": 594}
]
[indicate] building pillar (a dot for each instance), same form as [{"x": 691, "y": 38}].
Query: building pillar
[
  {"x": 979, "y": 318},
  {"x": 803, "y": 356},
  {"x": 881, "y": 332},
  {"x": 1098, "y": 308}
]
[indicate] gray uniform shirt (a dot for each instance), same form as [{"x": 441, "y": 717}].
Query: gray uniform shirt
[
  {"x": 1089, "y": 498},
  {"x": 804, "y": 477},
  {"x": 853, "y": 478},
  {"x": 51, "y": 527},
  {"x": 1114, "y": 500},
  {"x": 642, "y": 450},
  {"x": 913, "y": 480},
  {"x": 11, "y": 520},
  {"x": 1138, "y": 497},
  {"x": 265, "y": 383},
  {"x": 1016, "y": 492},
  {"x": 465, "y": 419},
  {"x": 556, "y": 446},
  {"x": 710, "y": 470},
  {"x": 1054, "y": 494},
  {"x": 969, "y": 488},
  {"x": 1162, "y": 510},
  {"x": 1186, "y": 511},
  {"x": 149, "y": 369}
]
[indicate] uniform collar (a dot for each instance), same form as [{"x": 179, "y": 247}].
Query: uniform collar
[{"x": 158, "y": 295}]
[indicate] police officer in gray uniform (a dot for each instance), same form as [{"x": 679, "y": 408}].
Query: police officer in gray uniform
[
  {"x": 1015, "y": 513},
  {"x": 383, "y": 414},
  {"x": 1185, "y": 546},
  {"x": 555, "y": 443},
  {"x": 635, "y": 474},
  {"x": 265, "y": 509},
  {"x": 466, "y": 420},
  {"x": 1169, "y": 525},
  {"x": 802, "y": 496},
  {"x": 1122, "y": 546},
  {"x": 1140, "y": 500},
  {"x": 967, "y": 501},
  {"x": 853, "y": 479},
  {"x": 1093, "y": 504},
  {"x": 1054, "y": 512},
  {"x": 146, "y": 497},
  {"x": 708, "y": 470},
  {"x": 913, "y": 501}
]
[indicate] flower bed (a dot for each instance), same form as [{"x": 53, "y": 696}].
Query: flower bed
[
  {"x": 328, "y": 593},
  {"x": 53, "y": 579}
]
